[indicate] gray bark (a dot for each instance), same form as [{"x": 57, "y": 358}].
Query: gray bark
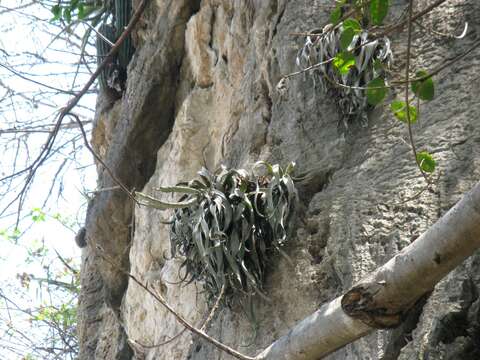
[{"x": 383, "y": 299}]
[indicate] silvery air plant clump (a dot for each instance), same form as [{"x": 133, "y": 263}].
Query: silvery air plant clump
[
  {"x": 348, "y": 60},
  {"x": 227, "y": 224}
]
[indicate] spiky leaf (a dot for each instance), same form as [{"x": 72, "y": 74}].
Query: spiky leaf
[{"x": 225, "y": 235}]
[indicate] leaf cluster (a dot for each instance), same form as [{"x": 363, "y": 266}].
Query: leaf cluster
[
  {"x": 373, "y": 11},
  {"x": 75, "y": 10},
  {"x": 227, "y": 224},
  {"x": 348, "y": 60},
  {"x": 352, "y": 65}
]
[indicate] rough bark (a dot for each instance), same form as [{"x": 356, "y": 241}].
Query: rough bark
[
  {"x": 202, "y": 85},
  {"x": 383, "y": 299}
]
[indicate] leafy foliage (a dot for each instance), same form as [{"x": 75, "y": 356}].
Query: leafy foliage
[
  {"x": 227, "y": 224},
  {"x": 399, "y": 109},
  {"x": 352, "y": 65},
  {"x": 378, "y": 11},
  {"x": 426, "y": 161},
  {"x": 52, "y": 324},
  {"x": 376, "y": 91},
  {"x": 424, "y": 88},
  {"x": 76, "y": 10},
  {"x": 347, "y": 61}
]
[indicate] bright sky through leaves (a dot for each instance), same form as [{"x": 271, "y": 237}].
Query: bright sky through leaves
[{"x": 38, "y": 50}]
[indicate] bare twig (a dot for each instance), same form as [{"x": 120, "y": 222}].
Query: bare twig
[
  {"x": 99, "y": 159},
  {"x": 214, "y": 309},
  {"x": 163, "y": 343},
  {"x": 66, "y": 264},
  {"x": 32, "y": 168},
  {"x": 170, "y": 309},
  {"x": 202, "y": 328},
  {"x": 20, "y": 75},
  {"x": 445, "y": 35},
  {"x": 407, "y": 100}
]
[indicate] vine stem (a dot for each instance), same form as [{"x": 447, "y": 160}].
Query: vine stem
[
  {"x": 407, "y": 100},
  {"x": 212, "y": 313},
  {"x": 411, "y": 18},
  {"x": 99, "y": 251}
]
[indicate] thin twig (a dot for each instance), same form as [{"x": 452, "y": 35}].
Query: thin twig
[
  {"x": 111, "y": 188},
  {"x": 407, "y": 100},
  {"x": 202, "y": 328},
  {"x": 16, "y": 73},
  {"x": 165, "y": 342},
  {"x": 445, "y": 35},
  {"x": 214, "y": 309},
  {"x": 170, "y": 309},
  {"x": 382, "y": 34},
  {"x": 99, "y": 159},
  {"x": 67, "y": 265},
  {"x": 32, "y": 169}
]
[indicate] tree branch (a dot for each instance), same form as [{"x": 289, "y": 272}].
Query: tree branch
[
  {"x": 32, "y": 169},
  {"x": 382, "y": 299}
]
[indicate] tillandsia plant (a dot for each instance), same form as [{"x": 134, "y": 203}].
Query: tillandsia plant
[
  {"x": 227, "y": 224},
  {"x": 351, "y": 58},
  {"x": 346, "y": 61}
]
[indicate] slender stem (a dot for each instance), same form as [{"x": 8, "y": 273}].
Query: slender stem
[
  {"x": 407, "y": 77},
  {"x": 170, "y": 309}
]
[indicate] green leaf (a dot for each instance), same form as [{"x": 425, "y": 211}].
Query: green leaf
[
  {"x": 336, "y": 15},
  {"x": 376, "y": 91},
  {"x": 378, "y": 11},
  {"x": 352, "y": 24},
  {"x": 346, "y": 38},
  {"x": 426, "y": 161},
  {"x": 424, "y": 89},
  {"x": 351, "y": 27},
  {"x": 67, "y": 15},
  {"x": 179, "y": 189},
  {"x": 38, "y": 215},
  {"x": 88, "y": 9},
  {"x": 378, "y": 65},
  {"x": 56, "y": 11},
  {"x": 399, "y": 110},
  {"x": 81, "y": 11},
  {"x": 343, "y": 62},
  {"x": 150, "y": 201},
  {"x": 12, "y": 236}
]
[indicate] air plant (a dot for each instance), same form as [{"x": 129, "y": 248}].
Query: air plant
[
  {"x": 345, "y": 69},
  {"x": 227, "y": 224}
]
